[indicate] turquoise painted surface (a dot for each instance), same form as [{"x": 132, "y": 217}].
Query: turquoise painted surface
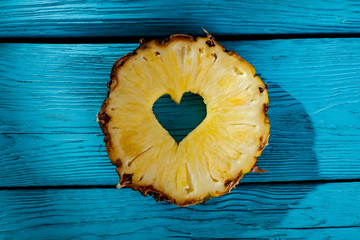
[
  {"x": 159, "y": 17},
  {"x": 183, "y": 118},
  {"x": 56, "y": 180},
  {"x": 261, "y": 211}
]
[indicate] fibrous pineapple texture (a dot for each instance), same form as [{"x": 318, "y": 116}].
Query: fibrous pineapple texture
[{"x": 212, "y": 158}]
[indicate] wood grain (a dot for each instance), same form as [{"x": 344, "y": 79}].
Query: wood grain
[
  {"x": 158, "y": 17},
  {"x": 254, "y": 211},
  {"x": 52, "y": 92}
]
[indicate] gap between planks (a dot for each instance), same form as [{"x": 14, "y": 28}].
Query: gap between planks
[
  {"x": 108, "y": 186},
  {"x": 135, "y": 39}
]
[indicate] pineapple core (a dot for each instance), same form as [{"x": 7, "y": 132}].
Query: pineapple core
[{"x": 212, "y": 158}]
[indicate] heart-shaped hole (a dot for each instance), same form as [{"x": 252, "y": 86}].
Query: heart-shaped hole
[{"x": 180, "y": 119}]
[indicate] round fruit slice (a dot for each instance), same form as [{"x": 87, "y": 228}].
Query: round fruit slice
[{"x": 210, "y": 160}]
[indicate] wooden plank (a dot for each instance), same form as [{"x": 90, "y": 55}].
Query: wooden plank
[
  {"x": 254, "y": 211},
  {"x": 81, "y": 159},
  {"x": 52, "y": 92},
  {"x": 158, "y": 17},
  {"x": 56, "y": 83},
  {"x": 55, "y": 159}
]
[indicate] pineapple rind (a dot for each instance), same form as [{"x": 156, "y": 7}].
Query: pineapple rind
[{"x": 212, "y": 159}]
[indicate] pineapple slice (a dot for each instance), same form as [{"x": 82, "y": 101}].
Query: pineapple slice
[{"x": 210, "y": 160}]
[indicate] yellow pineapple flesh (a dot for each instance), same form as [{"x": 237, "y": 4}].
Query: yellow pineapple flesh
[{"x": 212, "y": 158}]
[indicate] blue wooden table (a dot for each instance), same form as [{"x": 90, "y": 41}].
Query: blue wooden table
[{"x": 56, "y": 180}]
